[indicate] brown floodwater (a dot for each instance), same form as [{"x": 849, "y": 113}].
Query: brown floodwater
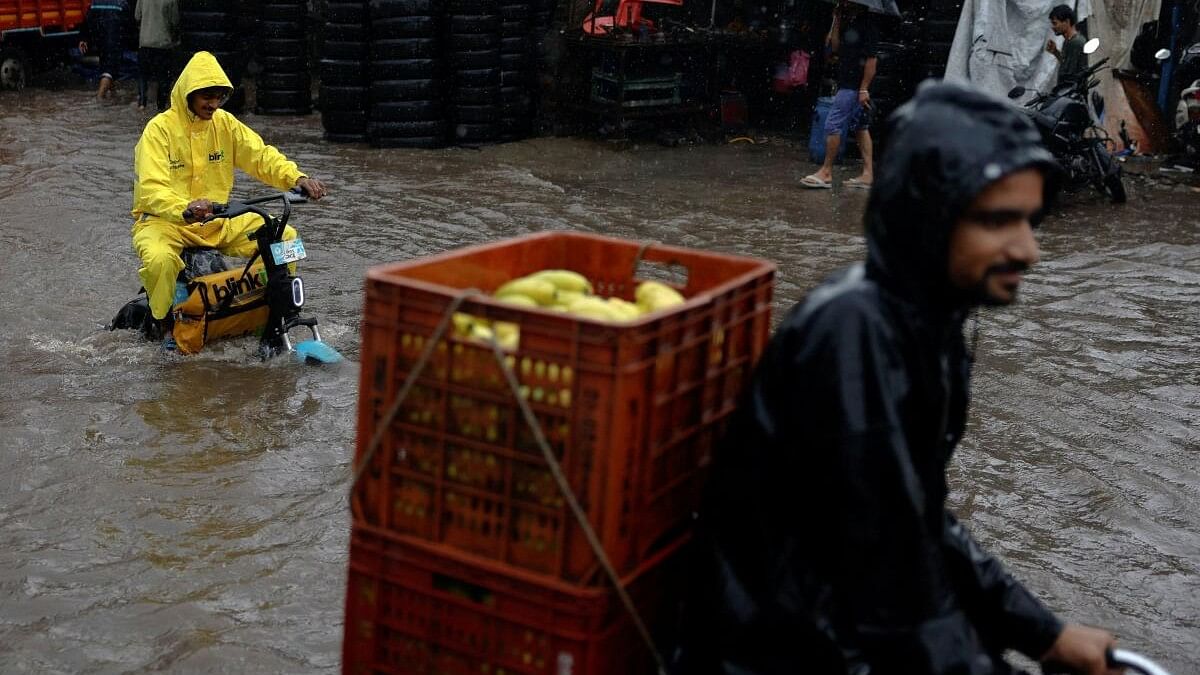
[{"x": 190, "y": 514}]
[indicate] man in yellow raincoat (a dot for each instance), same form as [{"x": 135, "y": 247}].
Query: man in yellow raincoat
[{"x": 184, "y": 163}]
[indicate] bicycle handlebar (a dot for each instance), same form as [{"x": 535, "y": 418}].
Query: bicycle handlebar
[
  {"x": 1118, "y": 658},
  {"x": 234, "y": 209}
]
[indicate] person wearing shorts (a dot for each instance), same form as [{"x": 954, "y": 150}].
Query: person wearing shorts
[{"x": 853, "y": 37}]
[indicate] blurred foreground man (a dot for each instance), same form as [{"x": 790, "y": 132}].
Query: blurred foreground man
[{"x": 824, "y": 543}]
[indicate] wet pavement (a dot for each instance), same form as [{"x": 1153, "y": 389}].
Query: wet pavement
[{"x": 190, "y": 514}]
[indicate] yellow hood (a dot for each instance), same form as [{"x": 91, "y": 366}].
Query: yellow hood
[{"x": 201, "y": 72}]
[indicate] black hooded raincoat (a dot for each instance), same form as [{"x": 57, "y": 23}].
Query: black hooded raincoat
[{"x": 824, "y": 543}]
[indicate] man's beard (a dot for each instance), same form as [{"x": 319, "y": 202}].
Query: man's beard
[{"x": 979, "y": 294}]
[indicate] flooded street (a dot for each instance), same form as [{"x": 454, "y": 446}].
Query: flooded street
[{"x": 160, "y": 513}]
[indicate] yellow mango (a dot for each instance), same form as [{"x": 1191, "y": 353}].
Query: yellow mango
[{"x": 565, "y": 280}]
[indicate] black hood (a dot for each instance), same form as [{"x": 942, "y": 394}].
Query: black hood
[{"x": 944, "y": 147}]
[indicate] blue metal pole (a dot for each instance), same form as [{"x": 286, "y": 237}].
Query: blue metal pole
[{"x": 1168, "y": 67}]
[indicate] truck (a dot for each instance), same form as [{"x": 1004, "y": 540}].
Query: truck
[{"x": 36, "y": 34}]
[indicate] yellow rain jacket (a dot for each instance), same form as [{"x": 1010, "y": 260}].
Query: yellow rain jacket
[{"x": 181, "y": 158}]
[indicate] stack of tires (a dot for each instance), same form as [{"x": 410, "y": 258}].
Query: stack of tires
[
  {"x": 217, "y": 26},
  {"x": 937, "y": 25},
  {"x": 283, "y": 84},
  {"x": 473, "y": 43},
  {"x": 406, "y": 85},
  {"x": 344, "y": 93},
  {"x": 895, "y": 82},
  {"x": 516, "y": 70}
]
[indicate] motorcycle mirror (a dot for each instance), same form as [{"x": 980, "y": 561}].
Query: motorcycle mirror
[
  {"x": 1162, "y": 55},
  {"x": 1016, "y": 92},
  {"x": 1091, "y": 46},
  {"x": 1098, "y": 104}
]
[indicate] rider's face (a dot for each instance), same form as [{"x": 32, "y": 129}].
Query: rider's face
[
  {"x": 993, "y": 243},
  {"x": 205, "y": 102},
  {"x": 1059, "y": 27}
]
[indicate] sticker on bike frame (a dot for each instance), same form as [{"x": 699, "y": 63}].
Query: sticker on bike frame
[{"x": 288, "y": 251}]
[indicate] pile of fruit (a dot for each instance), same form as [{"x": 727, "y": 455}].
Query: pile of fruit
[{"x": 569, "y": 292}]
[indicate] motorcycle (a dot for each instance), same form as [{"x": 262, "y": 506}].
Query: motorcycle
[
  {"x": 263, "y": 297},
  {"x": 1081, "y": 146},
  {"x": 1123, "y": 658}
]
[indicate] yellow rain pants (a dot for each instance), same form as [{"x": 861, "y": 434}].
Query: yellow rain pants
[{"x": 181, "y": 158}]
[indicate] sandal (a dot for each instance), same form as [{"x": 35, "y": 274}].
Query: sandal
[
  {"x": 857, "y": 184},
  {"x": 813, "y": 183}
]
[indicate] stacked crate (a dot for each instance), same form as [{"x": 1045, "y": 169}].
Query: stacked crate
[
  {"x": 407, "y": 108},
  {"x": 465, "y": 557},
  {"x": 343, "y": 95},
  {"x": 284, "y": 86}
]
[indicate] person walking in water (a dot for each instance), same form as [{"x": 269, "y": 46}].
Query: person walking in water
[{"x": 158, "y": 28}]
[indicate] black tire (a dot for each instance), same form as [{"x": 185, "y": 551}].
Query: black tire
[
  {"x": 290, "y": 112},
  {"x": 515, "y": 78},
  {"x": 475, "y": 95},
  {"x": 1111, "y": 182},
  {"x": 283, "y": 81},
  {"x": 939, "y": 29},
  {"x": 933, "y": 51},
  {"x": 338, "y": 137},
  {"x": 468, "y": 42},
  {"x": 406, "y": 129},
  {"x": 188, "y": 6},
  {"x": 515, "y": 12},
  {"x": 346, "y": 12},
  {"x": 344, "y": 49},
  {"x": 407, "y": 111},
  {"x": 516, "y": 62},
  {"x": 195, "y": 41},
  {"x": 386, "y": 9},
  {"x": 283, "y": 64},
  {"x": 404, "y": 27},
  {"x": 283, "y": 100},
  {"x": 519, "y": 107},
  {"x": 514, "y": 29},
  {"x": 208, "y": 21},
  {"x": 344, "y": 121},
  {"x": 345, "y": 32},
  {"x": 472, "y": 7},
  {"x": 475, "y": 60},
  {"x": 343, "y": 72},
  {"x": 333, "y": 97},
  {"x": 482, "y": 77},
  {"x": 403, "y": 69},
  {"x": 416, "y": 142},
  {"x": 286, "y": 30},
  {"x": 280, "y": 47},
  {"x": 474, "y": 23},
  {"x": 405, "y": 90},
  {"x": 475, "y": 114},
  {"x": 283, "y": 11},
  {"x": 514, "y": 45},
  {"x": 474, "y": 133},
  {"x": 403, "y": 48}
]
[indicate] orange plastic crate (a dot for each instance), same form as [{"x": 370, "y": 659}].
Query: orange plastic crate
[
  {"x": 632, "y": 411},
  {"x": 412, "y": 610}
]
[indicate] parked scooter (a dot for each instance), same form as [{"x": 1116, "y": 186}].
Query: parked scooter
[
  {"x": 1081, "y": 146},
  {"x": 1186, "y": 134}
]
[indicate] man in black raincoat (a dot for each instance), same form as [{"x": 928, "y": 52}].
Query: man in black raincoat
[{"x": 824, "y": 544}]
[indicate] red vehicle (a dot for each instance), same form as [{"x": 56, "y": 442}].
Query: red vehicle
[{"x": 36, "y": 33}]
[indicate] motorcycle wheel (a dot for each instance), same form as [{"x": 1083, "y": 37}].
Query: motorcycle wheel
[
  {"x": 1115, "y": 187},
  {"x": 1110, "y": 182}
]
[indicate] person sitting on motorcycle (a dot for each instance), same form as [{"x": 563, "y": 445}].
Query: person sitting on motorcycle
[
  {"x": 1071, "y": 59},
  {"x": 183, "y": 163}
]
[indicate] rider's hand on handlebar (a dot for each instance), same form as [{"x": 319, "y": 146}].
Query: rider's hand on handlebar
[
  {"x": 312, "y": 187},
  {"x": 1083, "y": 650},
  {"x": 197, "y": 211}
]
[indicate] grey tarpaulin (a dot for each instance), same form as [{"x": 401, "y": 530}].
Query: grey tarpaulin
[{"x": 1000, "y": 45}]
